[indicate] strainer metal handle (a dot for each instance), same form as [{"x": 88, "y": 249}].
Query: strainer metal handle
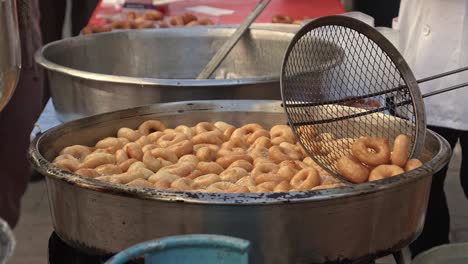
[
  {"x": 380, "y": 109},
  {"x": 426, "y": 79}
]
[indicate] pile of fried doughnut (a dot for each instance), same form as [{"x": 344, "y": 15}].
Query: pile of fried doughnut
[
  {"x": 372, "y": 159},
  {"x": 208, "y": 157},
  {"x": 221, "y": 158},
  {"x": 285, "y": 19},
  {"x": 362, "y": 103},
  {"x": 148, "y": 19}
]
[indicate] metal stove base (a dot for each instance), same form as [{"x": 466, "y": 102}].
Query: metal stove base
[{"x": 59, "y": 252}]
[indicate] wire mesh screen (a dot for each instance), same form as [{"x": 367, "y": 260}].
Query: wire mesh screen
[{"x": 338, "y": 85}]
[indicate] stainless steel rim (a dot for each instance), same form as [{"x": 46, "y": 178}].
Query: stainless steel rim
[{"x": 49, "y": 170}]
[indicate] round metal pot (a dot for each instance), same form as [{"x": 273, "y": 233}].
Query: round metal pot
[
  {"x": 117, "y": 70},
  {"x": 343, "y": 224}
]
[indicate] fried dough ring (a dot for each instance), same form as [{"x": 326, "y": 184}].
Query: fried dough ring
[
  {"x": 154, "y": 137},
  {"x": 94, "y": 160},
  {"x": 126, "y": 164},
  {"x": 153, "y": 15},
  {"x": 235, "y": 142},
  {"x": 148, "y": 147},
  {"x": 194, "y": 174},
  {"x": 223, "y": 126},
  {"x": 77, "y": 151},
  {"x": 185, "y": 130},
  {"x": 182, "y": 148},
  {"x": 248, "y": 182},
  {"x": 143, "y": 141},
  {"x": 211, "y": 137},
  {"x": 128, "y": 133},
  {"x": 68, "y": 164},
  {"x": 87, "y": 172},
  {"x": 151, "y": 126},
  {"x": 133, "y": 150},
  {"x": 206, "y": 154},
  {"x": 209, "y": 167},
  {"x": 189, "y": 158},
  {"x": 400, "y": 150},
  {"x": 283, "y": 186},
  {"x": 279, "y": 153},
  {"x": 177, "y": 21},
  {"x": 203, "y": 127},
  {"x": 162, "y": 184},
  {"x": 412, "y": 164},
  {"x": 151, "y": 162},
  {"x": 206, "y": 22},
  {"x": 170, "y": 139},
  {"x": 379, "y": 145},
  {"x": 110, "y": 144},
  {"x": 180, "y": 169},
  {"x": 283, "y": 19},
  {"x": 265, "y": 168},
  {"x": 261, "y": 160},
  {"x": 384, "y": 171},
  {"x": 268, "y": 177},
  {"x": 140, "y": 183},
  {"x": 228, "y": 160},
  {"x": 352, "y": 169},
  {"x": 264, "y": 142},
  {"x": 247, "y": 131},
  {"x": 164, "y": 154},
  {"x": 308, "y": 131},
  {"x": 233, "y": 174},
  {"x": 163, "y": 176},
  {"x": 282, "y": 133},
  {"x": 205, "y": 180},
  {"x": 258, "y": 152},
  {"x": 226, "y": 187},
  {"x": 305, "y": 179},
  {"x": 182, "y": 184},
  {"x": 108, "y": 169},
  {"x": 242, "y": 164},
  {"x": 266, "y": 187}
]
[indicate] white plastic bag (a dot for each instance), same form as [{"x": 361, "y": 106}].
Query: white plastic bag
[{"x": 7, "y": 242}]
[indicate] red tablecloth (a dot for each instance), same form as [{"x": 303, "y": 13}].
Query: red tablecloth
[{"x": 294, "y": 8}]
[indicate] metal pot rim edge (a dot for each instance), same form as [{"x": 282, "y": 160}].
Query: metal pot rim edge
[
  {"x": 41, "y": 60},
  {"x": 49, "y": 170}
]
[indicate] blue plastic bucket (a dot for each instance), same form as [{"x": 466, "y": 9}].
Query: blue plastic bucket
[{"x": 190, "y": 249}]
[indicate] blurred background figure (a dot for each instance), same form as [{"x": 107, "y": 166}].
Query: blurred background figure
[
  {"x": 434, "y": 39},
  {"x": 18, "y": 117},
  {"x": 54, "y": 14},
  {"x": 383, "y": 12},
  {"x": 53, "y": 22}
]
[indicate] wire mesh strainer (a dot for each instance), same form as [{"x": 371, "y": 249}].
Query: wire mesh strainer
[{"x": 340, "y": 80}]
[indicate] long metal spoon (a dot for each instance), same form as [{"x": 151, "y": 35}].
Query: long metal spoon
[{"x": 231, "y": 42}]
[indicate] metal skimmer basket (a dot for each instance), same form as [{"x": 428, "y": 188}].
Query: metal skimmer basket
[{"x": 340, "y": 80}]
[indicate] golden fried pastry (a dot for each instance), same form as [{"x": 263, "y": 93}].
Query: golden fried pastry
[{"x": 218, "y": 157}]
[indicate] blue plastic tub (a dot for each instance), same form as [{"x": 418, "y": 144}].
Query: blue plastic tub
[{"x": 190, "y": 249}]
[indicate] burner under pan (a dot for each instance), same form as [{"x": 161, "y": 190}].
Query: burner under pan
[{"x": 59, "y": 253}]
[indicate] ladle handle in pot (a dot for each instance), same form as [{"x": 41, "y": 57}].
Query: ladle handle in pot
[{"x": 231, "y": 42}]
